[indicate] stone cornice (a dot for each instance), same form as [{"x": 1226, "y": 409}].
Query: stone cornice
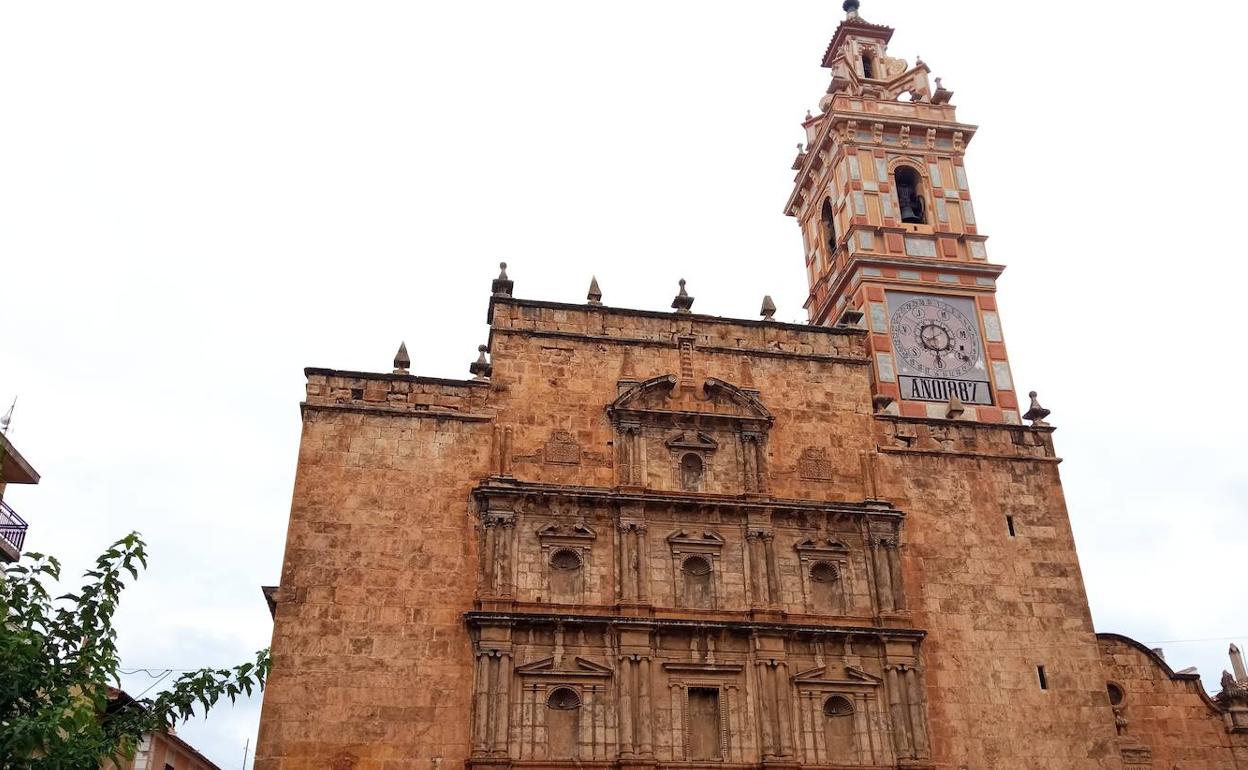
[
  {"x": 659, "y": 314},
  {"x": 387, "y": 376},
  {"x": 497, "y": 486},
  {"x": 385, "y": 411},
  {"x": 760, "y": 352},
  {"x": 485, "y": 618}
]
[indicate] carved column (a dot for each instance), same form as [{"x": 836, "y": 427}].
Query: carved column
[
  {"x": 760, "y": 464},
  {"x": 481, "y": 702},
  {"x": 625, "y": 685},
  {"x": 626, "y": 561},
  {"x": 783, "y": 705},
  {"x": 632, "y": 441},
  {"x": 505, "y": 542},
  {"x": 862, "y": 740},
  {"x": 645, "y": 714},
  {"x": 754, "y": 565},
  {"x": 501, "y": 717},
  {"x": 630, "y": 454},
  {"x": 488, "y": 560},
  {"x": 642, "y": 588},
  {"x": 893, "y": 552},
  {"x": 621, "y": 573},
  {"x": 767, "y": 710},
  {"x": 914, "y": 692},
  {"x": 773, "y": 578},
  {"x": 897, "y": 711},
  {"x": 883, "y": 574},
  {"x": 749, "y": 456}
]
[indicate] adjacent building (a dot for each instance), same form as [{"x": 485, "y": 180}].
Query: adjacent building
[
  {"x": 13, "y": 470},
  {"x": 157, "y": 751},
  {"x": 644, "y": 539}
]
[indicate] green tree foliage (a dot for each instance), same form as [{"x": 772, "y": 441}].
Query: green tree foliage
[{"x": 60, "y": 703}]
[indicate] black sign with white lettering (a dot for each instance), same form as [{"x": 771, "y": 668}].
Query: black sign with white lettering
[{"x": 937, "y": 389}]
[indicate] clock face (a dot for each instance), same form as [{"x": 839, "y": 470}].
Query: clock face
[
  {"x": 934, "y": 338},
  {"x": 938, "y": 348}
]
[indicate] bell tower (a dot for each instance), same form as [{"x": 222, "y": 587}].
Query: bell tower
[{"x": 882, "y": 199}]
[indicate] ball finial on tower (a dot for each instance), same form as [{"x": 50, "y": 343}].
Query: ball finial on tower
[{"x": 851, "y": 8}]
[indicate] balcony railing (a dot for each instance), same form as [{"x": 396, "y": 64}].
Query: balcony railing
[{"x": 12, "y": 527}]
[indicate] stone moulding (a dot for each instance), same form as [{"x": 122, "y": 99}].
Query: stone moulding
[
  {"x": 630, "y": 405},
  {"x": 497, "y": 488},
  {"x": 720, "y": 349},
  {"x": 974, "y": 440},
  {"x": 483, "y": 618},
  {"x": 439, "y": 414}
]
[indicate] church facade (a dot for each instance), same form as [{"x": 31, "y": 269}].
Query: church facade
[{"x": 644, "y": 539}]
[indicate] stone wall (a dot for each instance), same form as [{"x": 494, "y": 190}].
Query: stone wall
[
  {"x": 371, "y": 657},
  {"x": 1162, "y": 717},
  {"x": 493, "y": 572}
]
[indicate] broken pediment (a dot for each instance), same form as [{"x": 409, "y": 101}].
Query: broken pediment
[
  {"x": 714, "y": 399},
  {"x": 703, "y": 539},
  {"x": 577, "y": 531},
  {"x": 691, "y": 440},
  {"x": 580, "y": 668},
  {"x": 821, "y": 545},
  {"x": 837, "y": 675}
]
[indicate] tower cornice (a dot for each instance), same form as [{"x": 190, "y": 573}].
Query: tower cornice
[{"x": 859, "y": 27}]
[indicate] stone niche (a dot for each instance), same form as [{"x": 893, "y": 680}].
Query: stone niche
[{"x": 671, "y": 435}]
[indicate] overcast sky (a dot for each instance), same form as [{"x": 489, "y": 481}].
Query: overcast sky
[{"x": 199, "y": 199}]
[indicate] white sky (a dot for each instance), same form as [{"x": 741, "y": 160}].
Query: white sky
[{"x": 199, "y": 199}]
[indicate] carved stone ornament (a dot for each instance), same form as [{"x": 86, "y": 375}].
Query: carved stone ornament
[
  {"x": 561, "y": 448},
  {"x": 814, "y": 465}
]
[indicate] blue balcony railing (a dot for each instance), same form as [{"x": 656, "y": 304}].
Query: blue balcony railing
[{"x": 12, "y": 527}]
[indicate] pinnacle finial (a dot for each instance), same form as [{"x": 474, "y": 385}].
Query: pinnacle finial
[
  {"x": 481, "y": 369},
  {"x": 1237, "y": 664},
  {"x": 502, "y": 285},
  {"x": 1036, "y": 413},
  {"x": 768, "y": 309},
  {"x": 595, "y": 294},
  {"x": 851, "y": 8},
  {"x": 683, "y": 301},
  {"x": 402, "y": 361}
]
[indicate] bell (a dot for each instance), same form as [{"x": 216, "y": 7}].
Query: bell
[{"x": 910, "y": 216}]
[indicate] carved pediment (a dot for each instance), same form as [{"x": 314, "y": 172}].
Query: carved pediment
[
  {"x": 566, "y": 532},
  {"x": 691, "y": 440},
  {"x": 837, "y": 676},
  {"x": 821, "y": 545},
  {"x": 701, "y": 539},
  {"x": 715, "y": 398},
  {"x": 581, "y": 668}
]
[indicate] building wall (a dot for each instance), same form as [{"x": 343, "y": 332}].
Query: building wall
[
  {"x": 998, "y": 606},
  {"x": 422, "y": 621},
  {"x": 1165, "y": 716},
  {"x": 165, "y": 752},
  {"x": 370, "y": 652}
]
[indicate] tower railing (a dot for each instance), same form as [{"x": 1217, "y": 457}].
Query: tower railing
[{"x": 12, "y": 527}]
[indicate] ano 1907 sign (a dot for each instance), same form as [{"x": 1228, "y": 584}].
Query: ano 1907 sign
[{"x": 938, "y": 348}]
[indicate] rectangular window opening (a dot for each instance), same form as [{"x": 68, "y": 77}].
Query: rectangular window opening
[
  {"x": 704, "y": 723},
  {"x": 1043, "y": 676},
  {"x": 1009, "y": 523}
]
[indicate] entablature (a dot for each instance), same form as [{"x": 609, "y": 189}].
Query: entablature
[{"x": 965, "y": 438}]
